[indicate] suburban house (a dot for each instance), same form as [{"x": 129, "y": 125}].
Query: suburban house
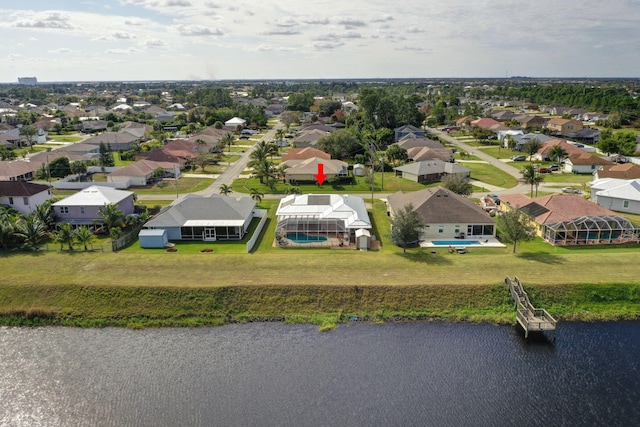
[
  {"x": 430, "y": 170},
  {"x": 465, "y": 122},
  {"x": 177, "y": 151},
  {"x": 337, "y": 219},
  {"x": 305, "y": 153},
  {"x": 564, "y": 126},
  {"x": 521, "y": 139},
  {"x": 622, "y": 195},
  {"x": 16, "y": 170},
  {"x": 143, "y": 172},
  {"x": 418, "y": 154},
  {"x": 572, "y": 220},
  {"x": 412, "y": 141},
  {"x": 309, "y": 138},
  {"x": 114, "y": 141},
  {"x": 530, "y": 121},
  {"x": 235, "y": 122},
  {"x": 82, "y": 208},
  {"x": 502, "y": 115},
  {"x": 306, "y": 170},
  {"x": 546, "y": 147},
  {"x": 445, "y": 214},
  {"x": 486, "y": 123},
  {"x": 588, "y": 135},
  {"x": 91, "y": 126},
  {"x": 23, "y": 196},
  {"x": 619, "y": 171},
  {"x": 207, "y": 218},
  {"x": 402, "y": 131},
  {"x": 584, "y": 163}
]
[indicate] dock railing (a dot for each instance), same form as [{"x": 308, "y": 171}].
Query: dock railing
[{"x": 529, "y": 317}]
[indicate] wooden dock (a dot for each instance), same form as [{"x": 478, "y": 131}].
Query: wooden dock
[{"x": 529, "y": 317}]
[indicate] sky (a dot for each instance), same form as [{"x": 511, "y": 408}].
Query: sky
[{"x": 87, "y": 40}]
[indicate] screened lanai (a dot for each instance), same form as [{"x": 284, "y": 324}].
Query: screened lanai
[{"x": 592, "y": 230}]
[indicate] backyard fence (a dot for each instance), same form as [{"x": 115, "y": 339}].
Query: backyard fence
[
  {"x": 123, "y": 241},
  {"x": 262, "y": 214}
]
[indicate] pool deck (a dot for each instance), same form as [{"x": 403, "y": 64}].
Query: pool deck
[{"x": 491, "y": 242}]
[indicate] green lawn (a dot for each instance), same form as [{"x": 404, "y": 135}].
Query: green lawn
[
  {"x": 391, "y": 185},
  {"x": 64, "y": 138},
  {"x": 501, "y": 153},
  {"x": 185, "y": 185},
  {"x": 491, "y": 175}
]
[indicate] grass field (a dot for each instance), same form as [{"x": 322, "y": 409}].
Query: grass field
[
  {"x": 64, "y": 138},
  {"x": 491, "y": 175},
  {"x": 136, "y": 287}
]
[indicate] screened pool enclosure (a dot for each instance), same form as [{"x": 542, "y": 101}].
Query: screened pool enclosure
[{"x": 591, "y": 230}]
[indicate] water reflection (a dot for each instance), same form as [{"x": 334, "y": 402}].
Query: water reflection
[{"x": 360, "y": 374}]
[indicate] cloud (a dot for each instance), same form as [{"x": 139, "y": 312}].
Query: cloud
[
  {"x": 212, "y": 5},
  {"x": 198, "y": 30},
  {"x": 61, "y": 50},
  {"x": 134, "y": 22},
  {"x": 54, "y": 20},
  {"x": 351, "y": 22},
  {"x": 385, "y": 18},
  {"x": 286, "y": 22},
  {"x": 415, "y": 30},
  {"x": 124, "y": 36},
  {"x": 154, "y": 44},
  {"x": 314, "y": 20},
  {"x": 281, "y": 32},
  {"x": 340, "y": 36},
  {"x": 178, "y": 3},
  {"x": 413, "y": 49},
  {"x": 327, "y": 45},
  {"x": 128, "y": 51}
]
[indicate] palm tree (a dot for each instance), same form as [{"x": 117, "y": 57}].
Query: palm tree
[
  {"x": 227, "y": 140},
  {"x": 531, "y": 148},
  {"x": 84, "y": 236},
  {"x": 7, "y": 229},
  {"x": 110, "y": 215},
  {"x": 256, "y": 195},
  {"x": 65, "y": 235},
  {"x": 225, "y": 190},
  {"x": 558, "y": 153},
  {"x": 293, "y": 190},
  {"x": 260, "y": 163},
  {"x": 531, "y": 177},
  {"x": 32, "y": 231},
  {"x": 46, "y": 214}
]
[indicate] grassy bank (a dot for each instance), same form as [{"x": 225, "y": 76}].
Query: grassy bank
[{"x": 97, "y": 306}]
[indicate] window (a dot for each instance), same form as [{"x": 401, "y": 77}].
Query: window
[
  {"x": 10, "y": 200},
  {"x": 25, "y": 201},
  {"x": 625, "y": 204},
  {"x": 64, "y": 209},
  {"x": 82, "y": 210},
  {"x": 441, "y": 229}
]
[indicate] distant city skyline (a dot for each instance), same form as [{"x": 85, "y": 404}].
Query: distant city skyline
[{"x": 115, "y": 40}]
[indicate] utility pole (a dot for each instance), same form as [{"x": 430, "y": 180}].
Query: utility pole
[{"x": 177, "y": 170}]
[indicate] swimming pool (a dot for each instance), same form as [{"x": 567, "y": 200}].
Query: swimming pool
[
  {"x": 457, "y": 242},
  {"x": 302, "y": 238}
]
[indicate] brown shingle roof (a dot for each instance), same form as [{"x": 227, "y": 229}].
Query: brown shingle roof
[
  {"x": 21, "y": 188},
  {"x": 305, "y": 153},
  {"x": 440, "y": 206},
  {"x": 560, "y": 208},
  {"x": 623, "y": 171}
]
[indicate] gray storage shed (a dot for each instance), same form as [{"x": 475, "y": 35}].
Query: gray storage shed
[{"x": 153, "y": 238}]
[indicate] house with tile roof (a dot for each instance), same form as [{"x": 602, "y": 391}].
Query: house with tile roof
[
  {"x": 142, "y": 173},
  {"x": 621, "y": 195},
  {"x": 23, "y": 196},
  {"x": 306, "y": 170},
  {"x": 207, "y": 218},
  {"x": 563, "y": 126},
  {"x": 585, "y": 163},
  {"x": 445, "y": 214},
  {"x": 305, "y": 153},
  {"x": 82, "y": 207},
  {"x": 430, "y": 170},
  {"x": 572, "y": 220},
  {"x": 17, "y": 170},
  {"x": 546, "y": 147},
  {"x": 405, "y": 130},
  {"x": 619, "y": 171},
  {"x": 419, "y": 154},
  {"x": 486, "y": 123},
  {"x": 309, "y": 138}
]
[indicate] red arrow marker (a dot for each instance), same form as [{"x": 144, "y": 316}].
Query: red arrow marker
[{"x": 320, "y": 177}]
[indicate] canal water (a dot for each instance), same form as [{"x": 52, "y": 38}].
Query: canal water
[{"x": 272, "y": 374}]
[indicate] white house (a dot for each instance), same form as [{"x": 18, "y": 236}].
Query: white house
[
  {"x": 621, "y": 195},
  {"x": 82, "y": 208},
  {"x": 23, "y": 196},
  {"x": 235, "y": 121}
]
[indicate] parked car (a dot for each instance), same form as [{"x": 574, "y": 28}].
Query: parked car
[
  {"x": 554, "y": 167},
  {"x": 519, "y": 158},
  {"x": 495, "y": 198},
  {"x": 570, "y": 190},
  {"x": 544, "y": 170}
]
